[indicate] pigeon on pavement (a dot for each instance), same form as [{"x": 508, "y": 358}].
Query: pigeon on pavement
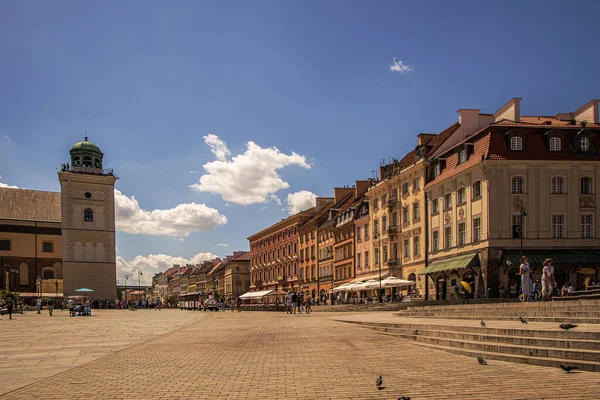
[
  {"x": 379, "y": 382},
  {"x": 482, "y": 324},
  {"x": 481, "y": 360},
  {"x": 566, "y": 327},
  {"x": 567, "y": 368},
  {"x": 522, "y": 320}
]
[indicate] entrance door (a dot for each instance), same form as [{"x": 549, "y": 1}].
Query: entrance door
[{"x": 441, "y": 288}]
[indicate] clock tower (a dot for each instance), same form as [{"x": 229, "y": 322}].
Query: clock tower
[{"x": 88, "y": 223}]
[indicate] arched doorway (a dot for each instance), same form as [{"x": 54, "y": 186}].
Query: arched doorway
[
  {"x": 561, "y": 275},
  {"x": 440, "y": 293},
  {"x": 412, "y": 289}
]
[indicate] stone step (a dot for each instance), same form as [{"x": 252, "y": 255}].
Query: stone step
[
  {"x": 557, "y": 319},
  {"x": 531, "y": 360},
  {"x": 558, "y": 343},
  {"x": 584, "y": 304},
  {"x": 528, "y": 333},
  {"x": 515, "y": 313}
]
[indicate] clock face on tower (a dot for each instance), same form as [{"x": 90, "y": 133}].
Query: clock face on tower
[{"x": 88, "y": 195}]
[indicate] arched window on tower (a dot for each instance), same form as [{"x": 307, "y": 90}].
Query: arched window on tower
[
  {"x": 97, "y": 163},
  {"x": 88, "y": 215},
  {"x": 76, "y": 161},
  {"x": 87, "y": 161}
]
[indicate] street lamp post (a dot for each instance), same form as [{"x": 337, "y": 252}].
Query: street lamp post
[
  {"x": 523, "y": 215},
  {"x": 126, "y": 277},
  {"x": 56, "y": 284},
  {"x": 140, "y": 273},
  {"x": 379, "y": 262},
  {"x": 15, "y": 270}
]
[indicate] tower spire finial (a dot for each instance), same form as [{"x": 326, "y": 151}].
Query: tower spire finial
[{"x": 86, "y": 139}]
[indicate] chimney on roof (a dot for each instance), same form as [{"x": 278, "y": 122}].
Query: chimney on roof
[
  {"x": 360, "y": 188},
  {"x": 321, "y": 202},
  {"x": 510, "y": 111},
  {"x": 424, "y": 138},
  {"x": 588, "y": 112},
  {"x": 339, "y": 193}
]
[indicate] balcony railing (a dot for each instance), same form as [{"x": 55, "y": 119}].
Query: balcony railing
[
  {"x": 392, "y": 230},
  {"x": 393, "y": 262},
  {"x": 88, "y": 170}
]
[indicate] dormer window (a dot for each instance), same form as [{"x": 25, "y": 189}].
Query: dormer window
[
  {"x": 437, "y": 170},
  {"x": 584, "y": 144},
  {"x": 555, "y": 144},
  {"x": 516, "y": 143},
  {"x": 462, "y": 156}
]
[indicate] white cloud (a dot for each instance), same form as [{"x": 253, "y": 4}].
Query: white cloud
[
  {"x": 247, "y": 178},
  {"x": 399, "y": 66},
  {"x": 222, "y": 245},
  {"x": 6, "y": 137},
  {"x": 178, "y": 221},
  {"x": 300, "y": 201},
  {"x": 4, "y": 185},
  {"x": 153, "y": 264},
  {"x": 217, "y": 146}
]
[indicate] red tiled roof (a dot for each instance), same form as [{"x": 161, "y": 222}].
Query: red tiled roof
[
  {"x": 441, "y": 137},
  {"x": 535, "y": 149},
  {"x": 481, "y": 147},
  {"x": 242, "y": 257}
]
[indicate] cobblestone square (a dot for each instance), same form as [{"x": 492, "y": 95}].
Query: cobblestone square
[{"x": 172, "y": 354}]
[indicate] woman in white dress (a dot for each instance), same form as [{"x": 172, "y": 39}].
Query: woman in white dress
[{"x": 526, "y": 283}]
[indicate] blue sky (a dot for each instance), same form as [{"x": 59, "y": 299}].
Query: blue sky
[{"x": 149, "y": 81}]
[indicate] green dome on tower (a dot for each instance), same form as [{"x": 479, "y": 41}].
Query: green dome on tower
[
  {"x": 86, "y": 154},
  {"x": 86, "y": 145}
]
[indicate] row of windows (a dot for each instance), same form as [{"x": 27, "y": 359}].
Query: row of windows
[
  {"x": 586, "y": 226},
  {"x": 461, "y": 197},
  {"x": 557, "y": 185},
  {"x": 274, "y": 238},
  {"x": 462, "y": 235},
  {"x": 416, "y": 185},
  {"x": 47, "y": 247},
  {"x": 555, "y": 143}
]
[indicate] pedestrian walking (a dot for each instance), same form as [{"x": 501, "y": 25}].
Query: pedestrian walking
[
  {"x": 307, "y": 305},
  {"x": 38, "y": 305},
  {"x": 288, "y": 303},
  {"x": 71, "y": 304},
  {"x": 222, "y": 304},
  {"x": 547, "y": 279},
  {"x": 294, "y": 301},
  {"x": 526, "y": 284},
  {"x": 239, "y": 304},
  {"x": 50, "y": 306},
  {"x": 9, "y": 307},
  {"x": 465, "y": 296},
  {"x": 501, "y": 290}
]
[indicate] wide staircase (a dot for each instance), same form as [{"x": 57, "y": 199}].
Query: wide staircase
[
  {"x": 540, "y": 342},
  {"x": 574, "y": 311}
]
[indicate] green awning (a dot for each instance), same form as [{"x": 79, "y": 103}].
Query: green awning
[
  {"x": 564, "y": 257},
  {"x": 450, "y": 264}
]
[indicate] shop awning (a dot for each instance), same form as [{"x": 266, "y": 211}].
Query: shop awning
[
  {"x": 564, "y": 257},
  {"x": 255, "y": 295},
  {"x": 451, "y": 263}
]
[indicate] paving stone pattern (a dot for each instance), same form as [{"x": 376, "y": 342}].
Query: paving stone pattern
[
  {"x": 257, "y": 355},
  {"x": 35, "y": 346}
]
